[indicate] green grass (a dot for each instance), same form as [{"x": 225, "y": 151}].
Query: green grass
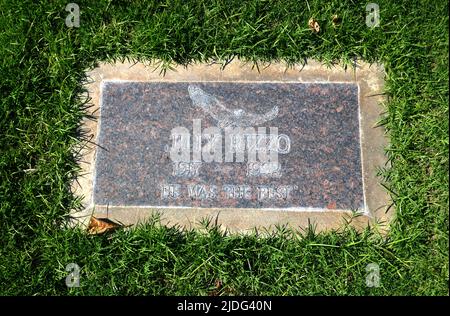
[{"x": 42, "y": 64}]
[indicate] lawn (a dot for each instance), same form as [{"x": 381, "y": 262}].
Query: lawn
[{"x": 42, "y": 67}]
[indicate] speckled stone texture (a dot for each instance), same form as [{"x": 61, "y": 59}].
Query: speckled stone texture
[{"x": 321, "y": 120}]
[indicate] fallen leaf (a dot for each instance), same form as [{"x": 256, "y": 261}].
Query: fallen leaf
[
  {"x": 314, "y": 25},
  {"x": 99, "y": 226}
]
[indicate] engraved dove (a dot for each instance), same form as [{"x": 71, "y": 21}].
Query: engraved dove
[{"x": 224, "y": 116}]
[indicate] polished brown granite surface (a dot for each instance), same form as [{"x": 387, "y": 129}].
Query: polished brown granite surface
[{"x": 321, "y": 170}]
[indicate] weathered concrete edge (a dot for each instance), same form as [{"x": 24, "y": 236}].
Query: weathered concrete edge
[{"x": 369, "y": 78}]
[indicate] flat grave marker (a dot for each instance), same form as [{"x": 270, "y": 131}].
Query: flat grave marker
[{"x": 246, "y": 148}]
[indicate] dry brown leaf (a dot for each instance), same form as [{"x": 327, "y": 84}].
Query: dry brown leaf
[
  {"x": 314, "y": 25},
  {"x": 99, "y": 226}
]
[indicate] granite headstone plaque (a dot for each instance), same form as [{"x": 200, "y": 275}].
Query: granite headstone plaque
[
  {"x": 224, "y": 144},
  {"x": 192, "y": 143}
]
